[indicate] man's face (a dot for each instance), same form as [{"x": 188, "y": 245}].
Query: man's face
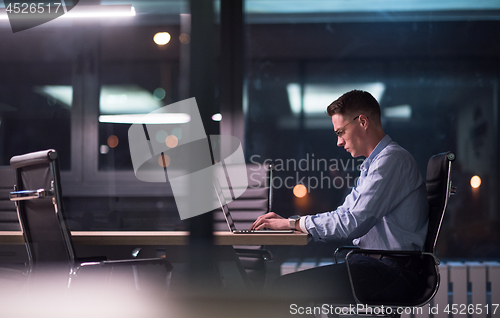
[{"x": 349, "y": 134}]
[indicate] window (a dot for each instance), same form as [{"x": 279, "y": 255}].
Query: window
[{"x": 35, "y": 95}]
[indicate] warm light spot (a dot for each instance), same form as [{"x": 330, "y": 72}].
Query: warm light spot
[
  {"x": 172, "y": 141},
  {"x": 112, "y": 141},
  {"x": 164, "y": 161},
  {"x": 162, "y": 38},
  {"x": 184, "y": 38},
  {"x": 300, "y": 190},
  {"x": 475, "y": 182}
]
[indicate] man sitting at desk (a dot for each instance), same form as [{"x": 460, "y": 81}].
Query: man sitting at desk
[{"x": 387, "y": 210}]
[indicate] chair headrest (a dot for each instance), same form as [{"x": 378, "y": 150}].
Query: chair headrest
[
  {"x": 437, "y": 165},
  {"x": 33, "y": 158}
]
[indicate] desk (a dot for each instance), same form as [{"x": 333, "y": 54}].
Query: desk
[
  {"x": 227, "y": 260},
  {"x": 161, "y": 238}
]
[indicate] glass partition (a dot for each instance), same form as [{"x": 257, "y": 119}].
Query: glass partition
[
  {"x": 433, "y": 69},
  {"x": 127, "y": 93}
]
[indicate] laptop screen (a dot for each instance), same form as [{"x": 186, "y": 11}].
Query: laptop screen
[{"x": 223, "y": 205}]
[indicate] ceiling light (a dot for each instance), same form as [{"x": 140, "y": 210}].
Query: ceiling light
[
  {"x": 217, "y": 117},
  {"x": 162, "y": 38},
  {"x": 172, "y": 118}
]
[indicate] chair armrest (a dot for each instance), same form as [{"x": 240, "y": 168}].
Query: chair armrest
[
  {"x": 260, "y": 253},
  {"x": 91, "y": 259},
  {"x": 342, "y": 248},
  {"x": 392, "y": 253},
  {"x": 30, "y": 194}
]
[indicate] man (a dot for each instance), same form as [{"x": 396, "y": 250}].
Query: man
[{"x": 386, "y": 210}]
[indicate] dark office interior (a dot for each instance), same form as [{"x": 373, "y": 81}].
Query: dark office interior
[{"x": 269, "y": 68}]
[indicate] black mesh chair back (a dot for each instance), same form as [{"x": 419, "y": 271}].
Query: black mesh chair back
[
  {"x": 8, "y": 212},
  {"x": 439, "y": 189},
  {"x": 38, "y": 196},
  {"x": 255, "y": 201}
]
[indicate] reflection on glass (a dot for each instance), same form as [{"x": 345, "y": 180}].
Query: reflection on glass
[
  {"x": 398, "y": 112},
  {"x": 61, "y": 93},
  {"x": 127, "y": 93},
  {"x": 316, "y": 96},
  {"x": 127, "y": 99}
]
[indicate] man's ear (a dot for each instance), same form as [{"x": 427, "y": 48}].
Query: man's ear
[{"x": 364, "y": 121}]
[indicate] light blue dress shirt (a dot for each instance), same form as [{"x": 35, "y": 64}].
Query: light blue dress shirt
[{"x": 386, "y": 210}]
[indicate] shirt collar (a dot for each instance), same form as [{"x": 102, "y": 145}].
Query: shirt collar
[{"x": 380, "y": 146}]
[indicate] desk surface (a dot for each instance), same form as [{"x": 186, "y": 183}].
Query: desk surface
[{"x": 165, "y": 238}]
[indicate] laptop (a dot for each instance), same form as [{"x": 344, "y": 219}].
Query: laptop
[{"x": 229, "y": 219}]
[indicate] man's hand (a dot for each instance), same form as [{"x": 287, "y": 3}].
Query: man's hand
[{"x": 270, "y": 220}]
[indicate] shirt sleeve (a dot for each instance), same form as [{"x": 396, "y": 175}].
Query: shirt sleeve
[
  {"x": 302, "y": 224},
  {"x": 376, "y": 195}
]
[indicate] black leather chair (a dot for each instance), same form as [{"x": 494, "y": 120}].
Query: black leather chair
[
  {"x": 255, "y": 201},
  {"x": 439, "y": 189},
  {"x": 46, "y": 233}
]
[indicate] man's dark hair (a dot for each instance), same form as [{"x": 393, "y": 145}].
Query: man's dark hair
[{"x": 355, "y": 102}]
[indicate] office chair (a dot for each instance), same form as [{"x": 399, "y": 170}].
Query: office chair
[
  {"x": 439, "y": 189},
  {"x": 46, "y": 233},
  {"x": 255, "y": 201}
]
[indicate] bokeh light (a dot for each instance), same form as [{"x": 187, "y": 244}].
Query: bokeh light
[
  {"x": 161, "y": 136},
  {"x": 172, "y": 141},
  {"x": 475, "y": 182},
  {"x": 177, "y": 132},
  {"x": 300, "y": 190},
  {"x": 162, "y": 38},
  {"x": 164, "y": 161},
  {"x": 159, "y": 93},
  {"x": 217, "y": 117},
  {"x": 113, "y": 141},
  {"x": 184, "y": 38},
  {"x": 104, "y": 149}
]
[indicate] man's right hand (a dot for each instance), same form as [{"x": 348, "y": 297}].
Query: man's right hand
[{"x": 272, "y": 221}]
